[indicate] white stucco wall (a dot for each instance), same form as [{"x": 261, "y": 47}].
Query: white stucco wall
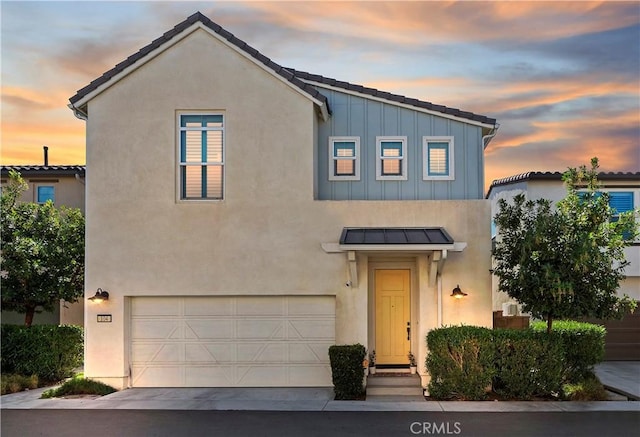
[{"x": 265, "y": 237}]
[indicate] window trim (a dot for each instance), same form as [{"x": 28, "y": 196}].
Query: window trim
[
  {"x": 425, "y": 158},
  {"x": 222, "y": 163},
  {"x": 333, "y": 159},
  {"x": 379, "y": 158},
  {"x": 37, "y": 194}
]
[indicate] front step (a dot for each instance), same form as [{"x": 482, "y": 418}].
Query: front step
[{"x": 395, "y": 386}]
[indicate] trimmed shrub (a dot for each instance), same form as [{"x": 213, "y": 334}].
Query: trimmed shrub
[
  {"x": 460, "y": 362},
  {"x": 347, "y": 370},
  {"x": 582, "y": 343},
  {"x": 49, "y": 351},
  {"x": 528, "y": 363},
  {"x": 13, "y": 383}
]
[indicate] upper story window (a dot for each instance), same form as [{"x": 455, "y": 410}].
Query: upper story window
[
  {"x": 344, "y": 158},
  {"x": 201, "y": 151},
  {"x": 44, "y": 193},
  {"x": 437, "y": 153},
  {"x": 391, "y": 161}
]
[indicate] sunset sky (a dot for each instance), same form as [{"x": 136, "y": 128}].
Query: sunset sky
[{"x": 562, "y": 78}]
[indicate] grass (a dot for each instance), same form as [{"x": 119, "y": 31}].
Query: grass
[
  {"x": 13, "y": 383},
  {"x": 79, "y": 386},
  {"x": 589, "y": 389}
]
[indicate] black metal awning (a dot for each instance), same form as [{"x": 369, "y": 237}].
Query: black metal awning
[{"x": 384, "y": 236}]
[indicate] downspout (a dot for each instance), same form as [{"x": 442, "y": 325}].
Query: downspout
[
  {"x": 78, "y": 179},
  {"x": 77, "y": 112},
  {"x": 439, "y": 280}
]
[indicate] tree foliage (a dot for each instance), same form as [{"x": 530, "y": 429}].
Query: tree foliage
[
  {"x": 42, "y": 255},
  {"x": 567, "y": 261}
]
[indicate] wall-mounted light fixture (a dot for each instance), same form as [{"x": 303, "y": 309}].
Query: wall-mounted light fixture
[
  {"x": 457, "y": 293},
  {"x": 100, "y": 296}
]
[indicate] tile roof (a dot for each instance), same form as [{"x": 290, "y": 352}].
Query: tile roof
[
  {"x": 179, "y": 28},
  {"x": 295, "y": 77},
  {"x": 392, "y": 97},
  {"x": 395, "y": 236},
  {"x": 556, "y": 175},
  {"x": 42, "y": 170}
]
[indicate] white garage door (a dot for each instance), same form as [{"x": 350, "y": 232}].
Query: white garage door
[{"x": 248, "y": 341}]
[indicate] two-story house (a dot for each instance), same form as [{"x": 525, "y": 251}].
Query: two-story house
[
  {"x": 243, "y": 217},
  {"x": 64, "y": 186},
  {"x": 623, "y": 337}
]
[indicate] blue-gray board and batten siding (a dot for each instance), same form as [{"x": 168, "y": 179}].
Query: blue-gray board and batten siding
[{"x": 367, "y": 119}]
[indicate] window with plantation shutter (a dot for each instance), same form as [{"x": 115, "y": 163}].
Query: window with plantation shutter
[
  {"x": 437, "y": 158},
  {"x": 201, "y": 156}
]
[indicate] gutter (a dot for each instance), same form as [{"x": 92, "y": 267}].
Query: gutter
[
  {"x": 77, "y": 112},
  {"x": 487, "y": 138}
]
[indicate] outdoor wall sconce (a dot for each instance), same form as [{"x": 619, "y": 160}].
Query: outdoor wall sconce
[
  {"x": 457, "y": 293},
  {"x": 100, "y": 296}
]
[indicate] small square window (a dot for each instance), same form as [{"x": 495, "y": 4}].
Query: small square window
[
  {"x": 46, "y": 192},
  {"x": 391, "y": 162},
  {"x": 437, "y": 158},
  {"x": 344, "y": 158}
]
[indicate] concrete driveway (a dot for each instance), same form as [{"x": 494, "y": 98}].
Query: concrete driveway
[{"x": 620, "y": 377}]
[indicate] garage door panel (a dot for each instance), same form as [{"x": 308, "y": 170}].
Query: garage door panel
[
  {"x": 210, "y": 328},
  {"x": 312, "y": 329},
  {"x": 260, "y": 329},
  {"x": 154, "y": 329},
  {"x": 312, "y": 305},
  {"x": 155, "y": 306},
  {"x": 258, "y": 306},
  {"x": 206, "y": 306},
  {"x": 226, "y": 341}
]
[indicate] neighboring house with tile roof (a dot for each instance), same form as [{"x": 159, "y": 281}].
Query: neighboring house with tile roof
[
  {"x": 624, "y": 195},
  {"x": 261, "y": 214},
  {"x": 63, "y": 185}
]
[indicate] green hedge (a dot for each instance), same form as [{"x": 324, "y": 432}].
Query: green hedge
[
  {"x": 464, "y": 361},
  {"x": 583, "y": 345},
  {"x": 347, "y": 370},
  {"x": 49, "y": 351},
  {"x": 460, "y": 362},
  {"x": 528, "y": 363}
]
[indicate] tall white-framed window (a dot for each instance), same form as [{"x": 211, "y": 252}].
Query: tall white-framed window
[
  {"x": 344, "y": 158},
  {"x": 201, "y": 156},
  {"x": 437, "y": 158},
  {"x": 391, "y": 158}
]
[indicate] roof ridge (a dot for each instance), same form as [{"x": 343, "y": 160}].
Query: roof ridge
[
  {"x": 216, "y": 28},
  {"x": 398, "y": 98}
]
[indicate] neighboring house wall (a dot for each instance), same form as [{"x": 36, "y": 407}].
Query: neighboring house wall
[
  {"x": 366, "y": 120},
  {"x": 550, "y": 186},
  {"x": 65, "y": 185},
  {"x": 259, "y": 250}
]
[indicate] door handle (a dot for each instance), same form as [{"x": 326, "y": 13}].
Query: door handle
[{"x": 408, "y": 331}]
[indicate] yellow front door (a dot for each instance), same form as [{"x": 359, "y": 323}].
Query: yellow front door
[{"x": 393, "y": 288}]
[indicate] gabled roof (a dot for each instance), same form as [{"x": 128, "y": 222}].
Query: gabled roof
[
  {"x": 298, "y": 79},
  {"x": 42, "y": 170},
  {"x": 177, "y": 30},
  {"x": 557, "y": 176},
  {"x": 394, "y": 98}
]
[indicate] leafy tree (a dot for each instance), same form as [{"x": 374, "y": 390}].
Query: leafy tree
[
  {"x": 42, "y": 253},
  {"x": 568, "y": 261}
]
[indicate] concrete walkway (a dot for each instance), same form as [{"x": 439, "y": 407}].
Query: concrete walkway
[{"x": 621, "y": 377}]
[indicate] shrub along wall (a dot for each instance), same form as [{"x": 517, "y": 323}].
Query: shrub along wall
[
  {"x": 460, "y": 362},
  {"x": 465, "y": 361},
  {"x": 347, "y": 370},
  {"x": 49, "y": 351},
  {"x": 583, "y": 345}
]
